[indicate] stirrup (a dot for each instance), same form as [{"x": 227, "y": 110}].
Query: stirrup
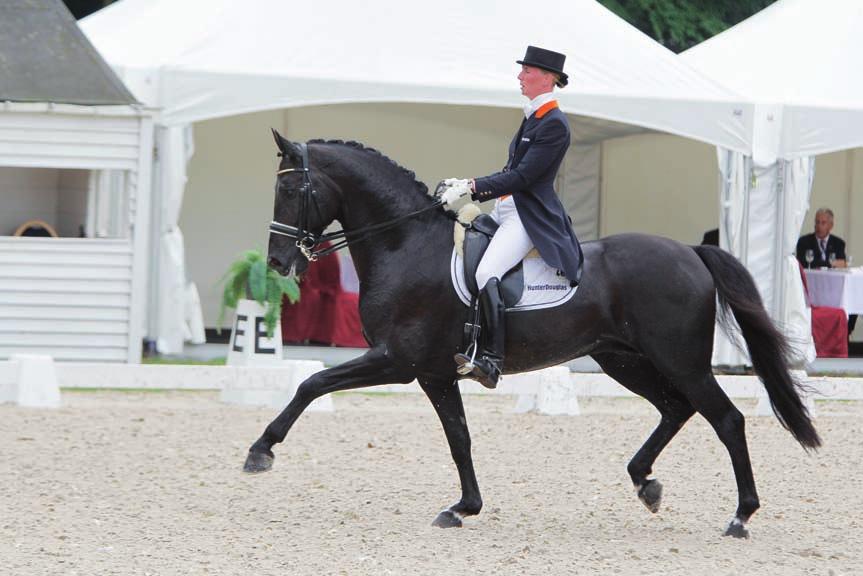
[
  {"x": 466, "y": 363},
  {"x": 488, "y": 378}
]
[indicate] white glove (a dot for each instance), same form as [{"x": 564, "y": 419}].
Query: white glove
[{"x": 455, "y": 189}]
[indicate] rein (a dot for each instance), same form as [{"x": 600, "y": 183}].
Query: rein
[{"x": 306, "y": 241}]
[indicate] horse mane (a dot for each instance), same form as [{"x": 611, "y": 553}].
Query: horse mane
[{"x": 363, "y": 148}]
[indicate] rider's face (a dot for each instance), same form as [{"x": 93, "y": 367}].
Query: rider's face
[{"x": 535, "y": 81}]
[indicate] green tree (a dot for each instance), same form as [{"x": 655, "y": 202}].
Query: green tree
[{"x": 681, "y": 24}]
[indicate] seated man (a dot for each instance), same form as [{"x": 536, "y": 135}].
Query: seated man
[{"x": 821, "y": 244}]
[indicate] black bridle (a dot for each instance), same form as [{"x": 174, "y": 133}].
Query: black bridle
[{"x": 306, "y": 240}]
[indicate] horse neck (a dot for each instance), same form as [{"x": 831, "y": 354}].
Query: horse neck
[{"x": 382, "y": 197}]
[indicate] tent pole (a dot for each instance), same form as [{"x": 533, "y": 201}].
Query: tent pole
[{"x": 778, "y": 241}]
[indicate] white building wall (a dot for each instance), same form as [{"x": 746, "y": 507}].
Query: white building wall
[
  {"x": 67, "y": 297},
  {"x": 73, "y": 298}
]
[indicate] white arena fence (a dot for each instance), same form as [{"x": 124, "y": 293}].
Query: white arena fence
[{"x": 550, "y": 391}]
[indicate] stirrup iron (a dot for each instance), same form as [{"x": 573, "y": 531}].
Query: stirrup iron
[{"x": 467, "y": 368}]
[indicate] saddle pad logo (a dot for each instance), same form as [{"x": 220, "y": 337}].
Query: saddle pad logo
[{"x": 544, "y": 287}]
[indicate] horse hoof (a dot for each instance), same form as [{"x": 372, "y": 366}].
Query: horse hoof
[
  {"x": 650, "y": 495},
  {"x": 447, "y": 519},
  {"x": 257, "y": 462},
  {"x": 737, "y": 529}
]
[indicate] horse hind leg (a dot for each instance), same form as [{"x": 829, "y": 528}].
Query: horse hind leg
[
  {"x": 710, "y": 401},
  {"x": 639, "y": 375}
]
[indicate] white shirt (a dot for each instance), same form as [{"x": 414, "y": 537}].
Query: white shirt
[
  {"x": 537, "y": 103},
  {"x": 824, "y": 249}
]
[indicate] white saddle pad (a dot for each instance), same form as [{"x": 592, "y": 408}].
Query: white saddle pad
[{"x": 543, "y": 288}]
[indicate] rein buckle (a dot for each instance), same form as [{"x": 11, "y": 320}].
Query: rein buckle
[{"x": 306, "y": 245}]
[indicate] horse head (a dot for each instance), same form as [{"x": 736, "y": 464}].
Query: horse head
[{"x": 305, "y": 200}]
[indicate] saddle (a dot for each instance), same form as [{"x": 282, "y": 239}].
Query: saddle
[{"x": 477, "y": 237}]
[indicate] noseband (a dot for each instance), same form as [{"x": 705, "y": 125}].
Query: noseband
[{"x": 306, "y": 240}]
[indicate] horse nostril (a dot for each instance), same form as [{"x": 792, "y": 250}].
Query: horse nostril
[{"x": 274, "y": 263}]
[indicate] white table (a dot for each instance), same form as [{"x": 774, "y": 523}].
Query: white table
[{"x": 841, "y": 288}]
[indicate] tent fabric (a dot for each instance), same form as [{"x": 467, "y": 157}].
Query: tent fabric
[
  {"x": 240, "y": 57},
  {"x": 39, "y": 44},
  {"x": 809, "y": 100},
  {"x": 217, "y": 58},
  {"x": 761, "y": 211},
  {"x": 795, "y": 317},
  {"x": 176, "y": 312},
  {"x": 804, "y": 56}
]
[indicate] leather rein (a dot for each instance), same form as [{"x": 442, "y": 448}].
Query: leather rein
[{"x": 306, "y": 240}]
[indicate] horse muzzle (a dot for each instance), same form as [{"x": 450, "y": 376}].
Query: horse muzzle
[{"x": 291, "y": 266}]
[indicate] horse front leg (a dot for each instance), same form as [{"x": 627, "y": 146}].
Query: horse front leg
[
  {"x": 445, "y": 396},
  {"x": 373, "y": 368}
]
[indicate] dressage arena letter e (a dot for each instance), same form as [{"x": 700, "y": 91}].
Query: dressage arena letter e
[{"x": 260, "y": 334}]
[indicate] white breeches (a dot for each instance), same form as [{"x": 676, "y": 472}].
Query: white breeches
[{"x": 509, "y": 245}]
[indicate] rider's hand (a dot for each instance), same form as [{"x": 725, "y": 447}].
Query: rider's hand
[{"x": 455, "y": 189}]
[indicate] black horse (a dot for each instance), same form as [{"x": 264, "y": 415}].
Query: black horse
[{"x": 645, "y": 311}]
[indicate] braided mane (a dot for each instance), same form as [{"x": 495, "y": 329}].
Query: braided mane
[{"x": 360, "y": 146}]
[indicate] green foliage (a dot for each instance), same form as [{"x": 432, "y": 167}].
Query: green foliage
[
  {"x": 250, "y": 277},
  {"x": 681, "y": 24}
]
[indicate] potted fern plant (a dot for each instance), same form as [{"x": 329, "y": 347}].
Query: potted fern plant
[{"x": 255, "y": 290}]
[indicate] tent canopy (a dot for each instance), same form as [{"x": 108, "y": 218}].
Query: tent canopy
[
  {"x": 44, "y": 57},
  {"x": 801, "y": 59},
  {"x": 218, "y": 58}
]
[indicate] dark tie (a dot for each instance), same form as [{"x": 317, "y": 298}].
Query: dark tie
[{"x": 823, "y": 243}]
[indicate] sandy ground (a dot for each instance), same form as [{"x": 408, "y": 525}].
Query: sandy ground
[{"x": 150, "y": 483}]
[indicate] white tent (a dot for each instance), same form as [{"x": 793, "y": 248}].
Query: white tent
[
  {"x": 798, "y": 60},
  {"x": 218, "y": 58}
]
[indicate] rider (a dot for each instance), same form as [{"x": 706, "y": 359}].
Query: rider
[{"x": 527, "y": 208}]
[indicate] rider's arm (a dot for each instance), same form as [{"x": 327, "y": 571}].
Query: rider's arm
[{"x": 549, "y": 142}]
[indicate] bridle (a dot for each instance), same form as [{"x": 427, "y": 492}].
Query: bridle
[{"x": 306, "y": 240}]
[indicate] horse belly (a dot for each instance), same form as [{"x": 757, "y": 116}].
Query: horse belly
[{"x": 542, "y": 338}]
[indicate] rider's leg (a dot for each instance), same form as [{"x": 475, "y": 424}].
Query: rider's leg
[
  {"x": 508, "y": 247},
  {"x": 489, "y": 365}
]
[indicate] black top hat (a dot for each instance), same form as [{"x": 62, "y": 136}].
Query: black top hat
[{"x": 547, "y": 60}]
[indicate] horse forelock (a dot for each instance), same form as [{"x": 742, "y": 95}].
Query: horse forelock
[{"x": 381, "y": 157}]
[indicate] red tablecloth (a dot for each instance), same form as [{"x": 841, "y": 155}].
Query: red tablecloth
[
  {"x": 326, "y": 312},
  {"x": 829, "y": 328}
]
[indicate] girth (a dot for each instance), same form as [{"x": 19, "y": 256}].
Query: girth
[{"x": 477, "y": 237}]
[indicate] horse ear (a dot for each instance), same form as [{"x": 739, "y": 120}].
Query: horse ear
[
  {"x": 286, "y": 147},
  {"x": 280, "y": 140}
]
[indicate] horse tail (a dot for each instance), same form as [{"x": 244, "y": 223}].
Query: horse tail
[{"x": 768, "y": 348}]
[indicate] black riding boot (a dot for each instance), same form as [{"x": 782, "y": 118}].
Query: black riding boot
[{"x": 489, "y": 363}]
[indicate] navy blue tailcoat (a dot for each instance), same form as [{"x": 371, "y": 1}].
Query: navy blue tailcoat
[{"x": 535, "y": 155}]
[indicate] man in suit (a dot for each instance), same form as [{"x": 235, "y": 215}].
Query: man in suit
[
  {"x": 529, "y": 212},
  {"x": 822, "y": 243}
]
